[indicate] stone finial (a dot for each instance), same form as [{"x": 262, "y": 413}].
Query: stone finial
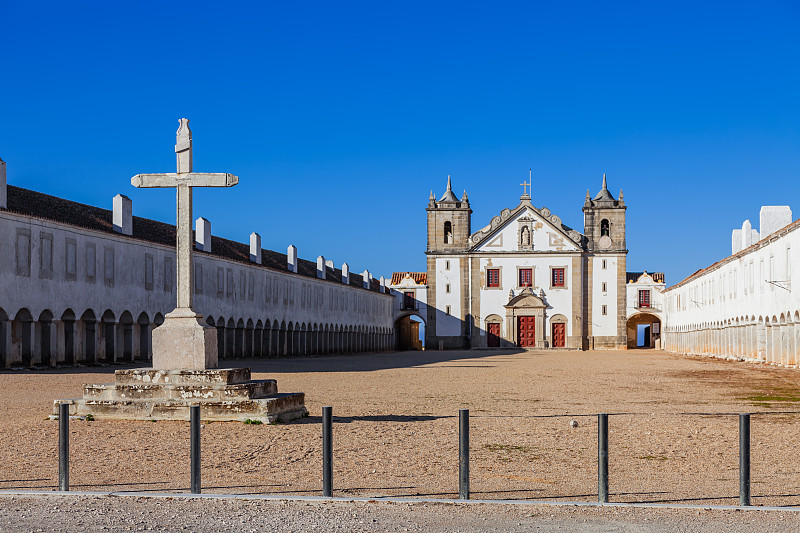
[
  {"x": 432, "y": 200},
  {"x": 3, "y": 186},
  {"x": 202, "y": 234},
  {"x": 255, "y": 248},
  {"x": 345, "y": 273},
  {"x": 123, "y": 215},
  {"x": 464, "y": 197},
  {"x": 605, "y": 183},
  {"x": 367, "y": 277},
  {"x": 183, "y": 146},
  {"x": 321, "y": 267},
  {"x": 291, "y": 258},
  {"x": 383, "y": 284}
]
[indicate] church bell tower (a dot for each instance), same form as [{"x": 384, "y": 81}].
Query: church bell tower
[
  {"x": 604, "y": 221},
  {"x": 449, "y": 222}
]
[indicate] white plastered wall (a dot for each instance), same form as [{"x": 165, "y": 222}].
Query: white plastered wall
[
  {"x": 448, "y": 325},
  {"x": 604, "y": 325}
]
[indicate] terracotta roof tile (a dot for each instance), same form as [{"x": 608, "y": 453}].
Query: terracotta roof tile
[{"x": 420, "y": 278}]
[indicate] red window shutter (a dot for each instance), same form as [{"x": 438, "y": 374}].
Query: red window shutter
[
  {"x": 493, "y": 277},
  {"x": 525, "y": 277},
  {"x": 558, "y": 277}
]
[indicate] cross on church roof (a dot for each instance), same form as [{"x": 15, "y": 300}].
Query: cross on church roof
[{"x": 526, "y": 184}]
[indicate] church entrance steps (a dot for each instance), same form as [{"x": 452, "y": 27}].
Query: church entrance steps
[{"x": 223, "y": 394}]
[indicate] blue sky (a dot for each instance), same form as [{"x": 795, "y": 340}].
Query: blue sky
[{"x": 339, "y": 118}]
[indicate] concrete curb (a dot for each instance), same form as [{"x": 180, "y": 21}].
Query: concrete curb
[{"x": 389, "y": 499}]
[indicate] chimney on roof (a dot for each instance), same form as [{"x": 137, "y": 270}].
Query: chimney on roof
[
  {"x": 291, "y": 258},
  {"x": 383, "y": 284},
  {"x": 367, "y": 279},
  {"x": 255, "y": 248},
  {"x": 123, "y": 211},
  {"x": 202, "y": 234},
  {"x": 345, "y": 273},
  {"x": 3, "y": 186},
  {"x": 321, "y": 267},
  {"x": 772, "y": 218},
  {"x": 329, "y": 264}
]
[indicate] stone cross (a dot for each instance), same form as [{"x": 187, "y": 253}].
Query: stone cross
[{"x": 184, "y": 180}]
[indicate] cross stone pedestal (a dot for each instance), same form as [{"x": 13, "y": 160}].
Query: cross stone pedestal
[
  {"x": 185, "y": 355},
  {"x": 184, "y": 341}
]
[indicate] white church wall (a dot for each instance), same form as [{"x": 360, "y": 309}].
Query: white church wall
[
  {"x": 448, "y": 296},
  {"x": 604, "y": 303},
  {"x": 558, "y": 299}
]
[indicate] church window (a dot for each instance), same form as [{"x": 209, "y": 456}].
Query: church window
[
  {"x": 169, "y": 272},
  {"x": 46, "y": 255},
  {"x": 448, "y": 233},
  {"x": 447, "y": 310},
  {"x": 409, "y": 300},
  {"x": 23, "y": 249},
  {"x": 447, "y": 288},
  {"x": 525, "y": 277},
  {"x": 605, "y": 287},
  {"x": 493, "y": 277},
  {"x": 71, "y": 265},
  {"x": 644, "y": 298},
  {"x": 198, "y": 278},
  {"x": 447, "y": 264},
  {"x": 558, "y": 277},
  {"x": 788, "y": 264},
  {"x": 604, "y": 310},
  {"x": 605, "y": 264},
  {"x": 604, "y": 228},
  {"x": 148, "y": 272}
]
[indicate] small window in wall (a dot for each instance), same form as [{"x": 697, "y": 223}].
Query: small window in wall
[
  {"x": 604, "y": 227},
  {"x": 447, "y": 310},
  {"x": 605, "y": 263},
  {"x": 644, "y": 298},
  {"x": 605, "y": 287},
  {"x": 604, "y": 310},
  {"x": 409, "y": 302},
  {"x": 447, "y": 264},
  {"x": 525, "y": 277},
  {"x": 448, "y": 233},
  {"x": 558, "y": 277},
  {"x": 492, "y": 277},
  {"x": 447, "y": 288}
]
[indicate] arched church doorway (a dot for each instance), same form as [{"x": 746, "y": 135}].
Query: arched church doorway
[
  {"x": 410, "y": 330},
  {"x": 644, "y": 331}
]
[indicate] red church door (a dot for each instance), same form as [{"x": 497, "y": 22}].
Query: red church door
[
  {"x": 559, "y": 340},
  {"x": 526, "y": 329},
  {"x": 494, "y": 336}
]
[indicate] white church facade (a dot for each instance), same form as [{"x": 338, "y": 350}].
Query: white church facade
[{"x": 526, "y": 279}]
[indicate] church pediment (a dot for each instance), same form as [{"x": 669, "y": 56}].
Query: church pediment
[
  {"x": 527, "y": 299},
  {"x": 526, "y": 228}
]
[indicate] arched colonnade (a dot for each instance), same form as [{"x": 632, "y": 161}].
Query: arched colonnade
[{"x": 771, "y": 339}]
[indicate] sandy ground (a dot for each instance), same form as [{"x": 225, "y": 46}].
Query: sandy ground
[{"x": 673, "y": 429}]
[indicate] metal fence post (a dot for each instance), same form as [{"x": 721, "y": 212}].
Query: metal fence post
[
  {"x": 602, "y": 458},
  {"x": 63, "y": 447},
  {"x": 194, "y": 452},
  {"x": 744, "y": 459},
  {"x": 327, "y": 451},
  {"x": 463, "y": 454}
]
